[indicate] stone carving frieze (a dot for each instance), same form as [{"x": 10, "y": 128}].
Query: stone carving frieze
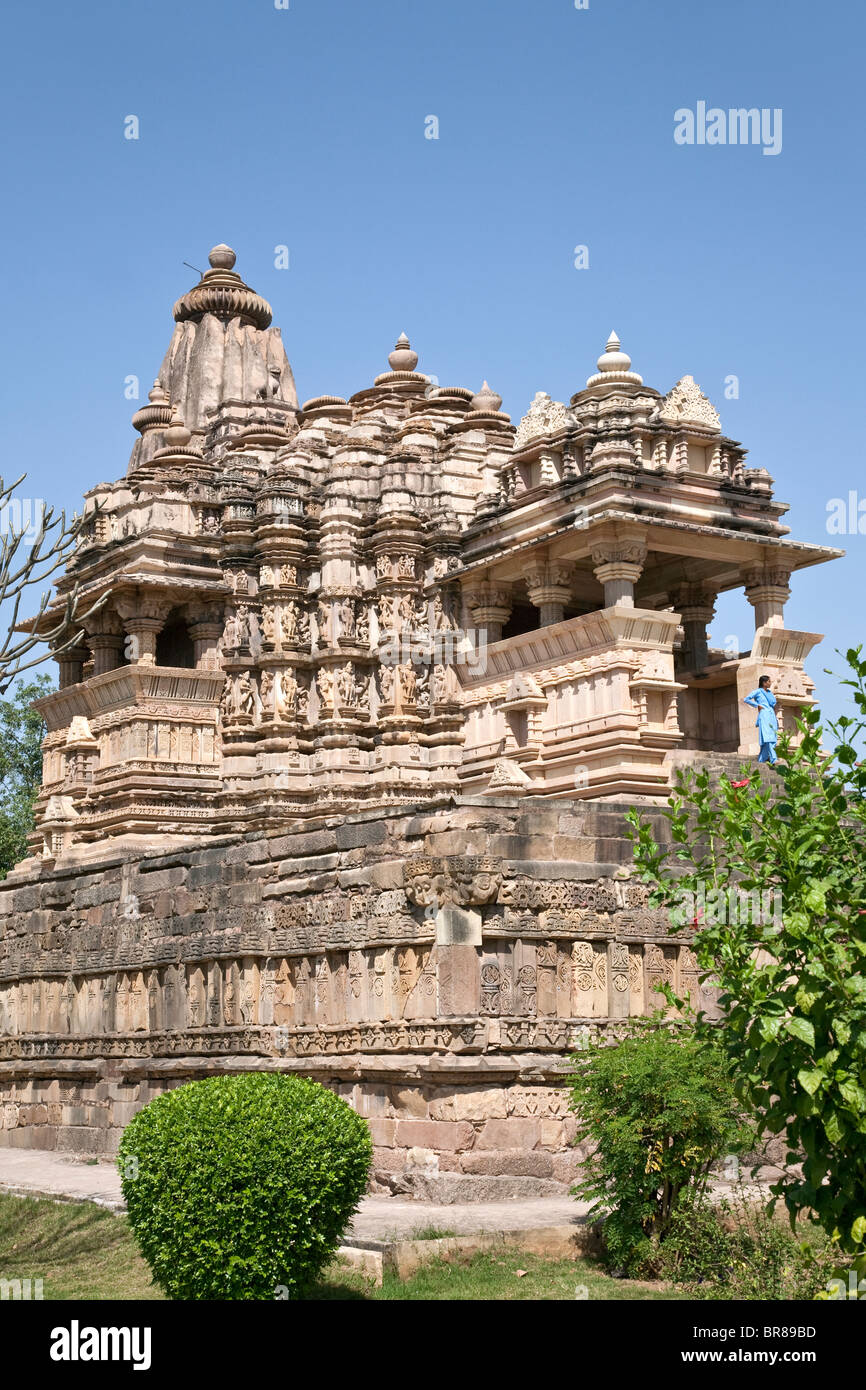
[{"x": 463, "y": 880}]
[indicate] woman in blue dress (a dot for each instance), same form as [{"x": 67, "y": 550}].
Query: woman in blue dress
[{"x": 764, "y": 701}]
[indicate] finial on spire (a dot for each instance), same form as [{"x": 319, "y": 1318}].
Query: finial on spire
[
  {"x": 221, "y": 291},
  {"x": 402, "y": 359},
  {"x": 177, "y": 436},
  {"x": 486, "y": 400},
  {"x": 612, "y": 359},
  {"x": 614, "y": 367},
  {"x": 222, "y": 257}
]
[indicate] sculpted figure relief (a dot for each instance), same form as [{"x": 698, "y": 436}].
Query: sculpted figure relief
[
  {"x": 440, "y": 684},
  {"x": 408, "y": 684},
  {"x": 405, "y": 610},
  {"x": 361, "y": 691},
  {"x": 346, "y": 617},
  {"x": 345, "y": 684},
  {"x": 266, "y": 690},
  {"x": 387, "y": 612},
  {"x": 441, "y": 620},
  {"x": 325, "y": 684},
  {"x": 323, "y": 622},
  {"x": 422, "y": 688},
  {"x": 230, "y": 632},
  {"x": 386, "y": 684},
  {"x": 243, "y": 626},
  {"x": 289, "y": 622},
  {"x": 286, "y": 699}
]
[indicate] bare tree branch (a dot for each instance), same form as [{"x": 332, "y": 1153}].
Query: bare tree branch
[{"x": 49, "y": 541}]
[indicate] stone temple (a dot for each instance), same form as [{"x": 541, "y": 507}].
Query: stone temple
[{"x": 335, "y": 778}]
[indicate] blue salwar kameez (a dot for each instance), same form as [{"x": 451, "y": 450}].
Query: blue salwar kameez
[{"x": 764, "y": 701}]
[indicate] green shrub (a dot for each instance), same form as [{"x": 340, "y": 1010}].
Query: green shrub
[
  {"x": 239, "y": 1187},
  {"x": 739, "y": 1250},
  {"x": 699, "y": 1245},
  {"x": 659, "y": 1108},
  {"x": 790, "y": 968}
]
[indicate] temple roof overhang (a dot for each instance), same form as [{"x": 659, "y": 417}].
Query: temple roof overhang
[{"x": 714, "y": 553}]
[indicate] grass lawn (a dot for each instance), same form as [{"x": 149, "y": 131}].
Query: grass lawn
[
  {"x": 78, "y": 1249},
  {"x": 82, "y": 1251},
  {"x": 491, "y": 1277}
]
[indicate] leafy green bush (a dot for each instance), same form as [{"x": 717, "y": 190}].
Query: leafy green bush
[
  {"x": 792, "y": 981},
  {"x": 239, "y": 1187},
  {"x": 659, "y": 1108},
  {"x": 739, "y": 1250},
  {"x": 698, "y": 1249}
]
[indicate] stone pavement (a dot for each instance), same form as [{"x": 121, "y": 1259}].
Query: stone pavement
[
  {"x": 42, "y": 1173},
  {"x": 39, "y": 1172}
]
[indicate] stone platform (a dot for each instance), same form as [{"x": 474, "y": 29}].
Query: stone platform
[{"x": 435, "y": 967}]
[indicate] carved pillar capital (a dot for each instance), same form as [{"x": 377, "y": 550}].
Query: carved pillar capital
[
  {"x": 618, "y": 567},
  {"x": 143, "y": 619},
  {"x": 491, "y": 607},
  {"x": 768, "y": 590},
  {"x": 549, "y": 589},
  {"x": 695, "y": 603}
]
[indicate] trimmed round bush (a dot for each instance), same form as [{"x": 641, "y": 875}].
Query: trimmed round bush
[{"x": 239, "y": 1187}]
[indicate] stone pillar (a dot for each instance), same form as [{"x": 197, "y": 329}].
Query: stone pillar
[
  {"x": 549, "y": 590},
  {"x": 491, "y": 608},
  {"x": 143, "y": 622},
  {"x": 70, "y": 664},
  {"x": 618, "y": 568},
  {"x": 205, "y": 634},
  {"x": 695, "y": 606},
  {"x": 144, "y": 632},
  {"x": 768, "y": 590},
  {"x": 105, "y": 640},
  {"x": 106, "y": 647}
]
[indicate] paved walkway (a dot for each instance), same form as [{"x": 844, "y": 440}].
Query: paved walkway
[{"x": 38, "y": 1172}]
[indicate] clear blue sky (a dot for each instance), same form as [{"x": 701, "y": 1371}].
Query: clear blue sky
[{"x": 305, "y": 127}]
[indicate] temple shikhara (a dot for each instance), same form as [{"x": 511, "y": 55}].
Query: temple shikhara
[{"x": 335, "y": 775}]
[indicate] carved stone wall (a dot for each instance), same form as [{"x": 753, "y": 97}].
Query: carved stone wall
[{"x": 435, "y": 967}]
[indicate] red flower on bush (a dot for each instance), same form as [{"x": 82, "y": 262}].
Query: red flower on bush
[{"x": 744, "y": 783}]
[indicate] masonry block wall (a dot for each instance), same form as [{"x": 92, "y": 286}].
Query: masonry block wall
[{"x": 435, "y": 968}]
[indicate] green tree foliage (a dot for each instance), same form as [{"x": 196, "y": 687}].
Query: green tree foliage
[
  {"x": 659, "y": 1109},
  {"x": 792, "y": 981},
  {"x": 239, "y": 1187},
  {"x": 21, "y": 732}
]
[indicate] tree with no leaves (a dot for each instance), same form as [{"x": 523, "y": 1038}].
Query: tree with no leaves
[{"x": 33, "y": 547}]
